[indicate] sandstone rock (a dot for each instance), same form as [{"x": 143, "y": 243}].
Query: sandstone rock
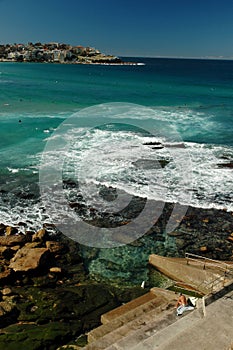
[
  {"x": 39, "y": 235},
  {"x": 8, "y": 313},
  {"x": 10, "y": 231},
  {"x": 203, "y": 249},
  {"x": 12, "y": 240},
  {"x": 55, "y": 270},
  {"x": 6, "y": 291},
  {"x": 5, "y": 308},
  {"x": 32, "y": 245},
  {"x": 15, "y": 248},
  {"x": 5, "y": 276},
  {"x": 54, "y": 247},
  {"x": 29, "y": 259}
]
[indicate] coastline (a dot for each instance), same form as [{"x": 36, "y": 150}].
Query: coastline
[
  {"x": 50, "y": 296},
  {"x": 58, "y": 300},
  {"x": 81, "y": 63}
]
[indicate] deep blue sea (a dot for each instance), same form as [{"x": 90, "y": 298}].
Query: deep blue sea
[{"x": 118, "y": 122}]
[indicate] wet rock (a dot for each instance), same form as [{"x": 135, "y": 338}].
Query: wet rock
[
  {"x": 226, "y": 165},
  {"x": 27, "y": 259},
  {"x": 152, "y": 143}
]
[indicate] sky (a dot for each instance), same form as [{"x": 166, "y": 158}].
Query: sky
[{"x": 145, "y": 28}]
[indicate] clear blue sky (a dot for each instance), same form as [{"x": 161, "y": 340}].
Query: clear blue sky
[{"x": 124, "y": 27}]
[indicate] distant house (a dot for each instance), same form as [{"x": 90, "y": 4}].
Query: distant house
[
  {"x": 27, "y": 56},
  {"x": 56, "y": 55},
  {"x": 11, "y": 56}
]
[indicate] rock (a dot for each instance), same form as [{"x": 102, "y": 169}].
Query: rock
[
  {"x": 153, "y": 143},
  {"x": 70, "y": 347},
  {"x": 6, "y": 291},
  {"x": 6, "y": 276},
  {"x": 6, "y": 253},
  {"x": 29, "y": 259},
  {"x": 226, "y": 165},
  {"x": 54, "y": 246},
  {"x": 2, "y": 229},
  {"x": 15, "y": 248},
  {"x": 203, "y": 249},
  {"x": 176, "y": 233},
  {"x": 9, "y": 231},
  {"x": 32, "y": 245},
  {"x": 9, "y": 241},
  {"x": 8, "y": 313},
  {"x": 55, "y": 270},
  {"x": 32, "y": 336},
  {"x": 39, "y": 235}
]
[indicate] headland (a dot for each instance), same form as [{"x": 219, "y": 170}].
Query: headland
[{"x": 56, "y": 53}]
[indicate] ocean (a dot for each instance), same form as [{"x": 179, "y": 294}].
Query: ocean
[{"x": 161, "y": 130}]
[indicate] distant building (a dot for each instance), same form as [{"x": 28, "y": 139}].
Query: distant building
[{"x": 56, "y": 55}]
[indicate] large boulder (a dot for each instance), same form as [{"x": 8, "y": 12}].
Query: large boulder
[{"x": 27, "y": 259}]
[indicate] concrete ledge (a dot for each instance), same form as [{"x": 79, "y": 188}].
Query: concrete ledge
[{"x": 119, "y": 311}]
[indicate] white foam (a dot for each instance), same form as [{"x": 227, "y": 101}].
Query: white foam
[
  {"x": 13, "y": 170},
  {"x": 105, "y": 157}
]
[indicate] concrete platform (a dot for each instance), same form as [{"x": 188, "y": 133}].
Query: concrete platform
[
  {"x": 204, "y": 278},
  {"x": 150, "y": 322},
  {"x": 212, "y": 332}
]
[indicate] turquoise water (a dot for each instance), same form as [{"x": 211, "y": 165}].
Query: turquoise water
[{"x": 193, "y": 97}]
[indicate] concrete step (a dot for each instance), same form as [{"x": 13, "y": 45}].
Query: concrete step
[
  {"x": 121, "y": 310},
  {"x": 161, "y": 337},
  {"x": 122, "y": 320},
  {"x": 191, "y": 331},
  {"x": 152, "y": 325},
  {"x": 131, "y": 329}
]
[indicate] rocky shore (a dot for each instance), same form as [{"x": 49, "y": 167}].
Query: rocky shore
[
  {"x": 46, "y": 296},
  {"x": 53, "y": 290}
]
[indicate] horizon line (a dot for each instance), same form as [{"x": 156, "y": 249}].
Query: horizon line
[{"x": 183, "y": 57}]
